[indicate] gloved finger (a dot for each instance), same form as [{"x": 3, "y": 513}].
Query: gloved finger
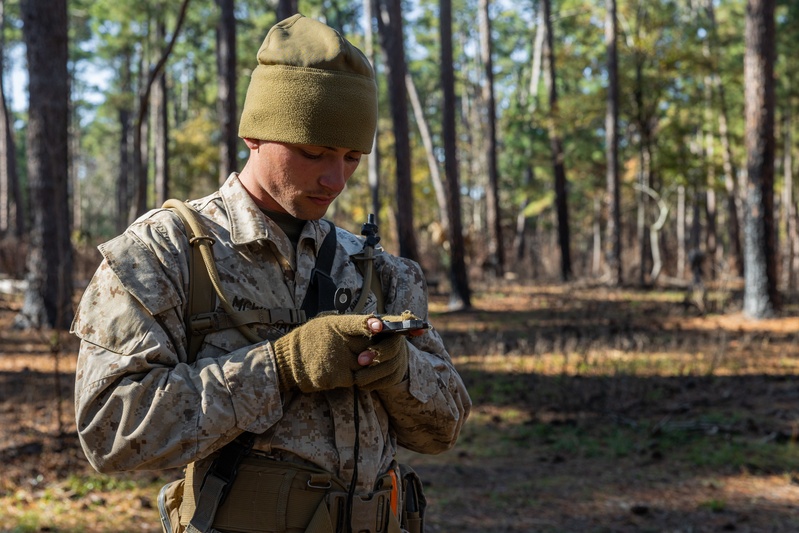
[
  {"x": 380, "y": 375},
  {"x": 389, "y": 347}
]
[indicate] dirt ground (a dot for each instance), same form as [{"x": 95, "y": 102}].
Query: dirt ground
[{"x": 594, "y": 410}]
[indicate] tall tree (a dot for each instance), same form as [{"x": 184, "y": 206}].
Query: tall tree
[
  {"x": 373, "y": 161},
  {"x": 226, "y": 87},
  {"x": 613, "y": 227},
  {"x": 729, "y": 166},
  {"x": 460, "y": 294},
  {"x": 139, "y": 171},
  {"x": 286, "y": 8},
  {"x": 160, "y": 103},
  {"x": 761, "y": 298},
  {"x": 123, "y": 187},
  {"x": 12, "y": 220},
  {"x": 391, "y": 35},
  {"x": 496, "y": 248},
  {"x": 556, "y": 144},
  {"x": 427, "y": 141},
  {"x": 48, "y": 297}
]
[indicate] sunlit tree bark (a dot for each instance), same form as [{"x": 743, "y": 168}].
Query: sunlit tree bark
[{"x": 761, "y": 298}]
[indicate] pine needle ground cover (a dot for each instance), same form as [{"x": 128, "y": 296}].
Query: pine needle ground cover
[{"x": 594, "y": 410}]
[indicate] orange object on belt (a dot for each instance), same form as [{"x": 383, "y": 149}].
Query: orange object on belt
[{"x": 394, "y": 491}]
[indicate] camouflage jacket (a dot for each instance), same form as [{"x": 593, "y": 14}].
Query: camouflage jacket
[{"x": 139, "y": 405}]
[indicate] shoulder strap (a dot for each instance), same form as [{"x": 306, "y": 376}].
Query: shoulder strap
[
  {"x": 199, "y": 292},
  {"x": 322, "y": 289},
  {"x": 202, "y": 297}
]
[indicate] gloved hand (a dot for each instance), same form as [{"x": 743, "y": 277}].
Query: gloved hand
[
  {"x": 389, "y": 366},
  {"x": 322, "y": 354}
]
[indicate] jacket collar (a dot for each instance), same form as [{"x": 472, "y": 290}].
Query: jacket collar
[{"x": 249, "y": 224}]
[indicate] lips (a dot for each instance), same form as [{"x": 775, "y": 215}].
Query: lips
[{"x": 322, "y": 200}]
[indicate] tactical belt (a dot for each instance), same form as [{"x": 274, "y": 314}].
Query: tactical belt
[{"x": 276, "y": 496}]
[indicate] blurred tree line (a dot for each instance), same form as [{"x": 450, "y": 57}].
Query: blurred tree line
[{"x": 626, "y": 141}]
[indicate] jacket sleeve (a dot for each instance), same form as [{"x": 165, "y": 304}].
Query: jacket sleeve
[
  {"x": 429, "y": 408},
  {"x": 138, "y": 404}
]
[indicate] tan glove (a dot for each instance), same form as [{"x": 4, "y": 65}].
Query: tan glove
[
  {"x": 391, "y": 361},
  {"x": 389, "y": 367},
  {"x": 322, "y": 354}
]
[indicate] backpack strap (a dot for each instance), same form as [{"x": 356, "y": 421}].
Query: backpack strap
[
  {"x": 202, "y": 296},
  {"x": 202, "y": 250}
]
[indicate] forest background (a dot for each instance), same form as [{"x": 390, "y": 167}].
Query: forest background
[{"x": 623, "y": 144}]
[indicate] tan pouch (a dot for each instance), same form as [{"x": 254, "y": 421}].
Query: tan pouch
[
  {"x": 267, "y": 496},
  {"x": 170, "y": 498},
  {"x": 415, "y": 502}
]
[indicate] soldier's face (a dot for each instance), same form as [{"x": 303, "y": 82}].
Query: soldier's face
[{"x": 299, "y": 179}]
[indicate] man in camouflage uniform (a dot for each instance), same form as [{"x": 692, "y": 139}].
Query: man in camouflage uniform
[{"x": 142, "y": 403}]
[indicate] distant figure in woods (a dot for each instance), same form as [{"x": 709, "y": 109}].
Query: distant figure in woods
[{"x": 289, "y": 410}]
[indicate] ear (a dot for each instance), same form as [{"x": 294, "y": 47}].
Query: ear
[{"x": 252, "y": 144}]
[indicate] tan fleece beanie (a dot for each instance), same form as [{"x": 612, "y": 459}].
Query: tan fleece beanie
[{"x": 311, "y": 86}]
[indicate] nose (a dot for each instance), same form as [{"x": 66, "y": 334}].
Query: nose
[{"x": 335, "y": 176}]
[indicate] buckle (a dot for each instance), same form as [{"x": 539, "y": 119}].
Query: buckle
[
  {"x": 370, "y": 513},
  {"x": 204, "y": 323}
]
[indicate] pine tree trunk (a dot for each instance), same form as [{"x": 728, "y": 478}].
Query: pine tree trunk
[
  {"x": 286, "y": 8},
  {"x": 613, "y": 227},
  {"x": 460, "y": 294},
  {"x": 226, "y": 88},
  {"x": 788, "y": 206},
  {"x": 432, "y": 162},
  {"x": 373, "y": 160},
  {"x": 496, "y": 248},
  {"x": 760, "y": 288},
  {"x": 161, "y": 128},
  {"x": 139, "y": 133},
  {"x": 733, "y": 207},
  {"x": 391, "y": 33},
  {"x": 556, "y": 144},
  {"x": 48, "y": 297}
]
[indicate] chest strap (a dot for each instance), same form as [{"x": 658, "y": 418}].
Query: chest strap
[{"x": 202, "y": 324}]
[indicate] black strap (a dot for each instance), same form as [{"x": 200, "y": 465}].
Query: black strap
[{"x": 322, "y": 289}]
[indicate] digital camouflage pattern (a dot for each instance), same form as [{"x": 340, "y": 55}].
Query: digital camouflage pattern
[{"x": 139, "y": 405}]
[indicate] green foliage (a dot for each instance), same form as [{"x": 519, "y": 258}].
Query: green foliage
[
  {"x": 194, "y": 165},
  {"x": 667, "y": 52}
]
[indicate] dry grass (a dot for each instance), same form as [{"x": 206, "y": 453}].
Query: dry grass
[{"x": 594, "y": 410}]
